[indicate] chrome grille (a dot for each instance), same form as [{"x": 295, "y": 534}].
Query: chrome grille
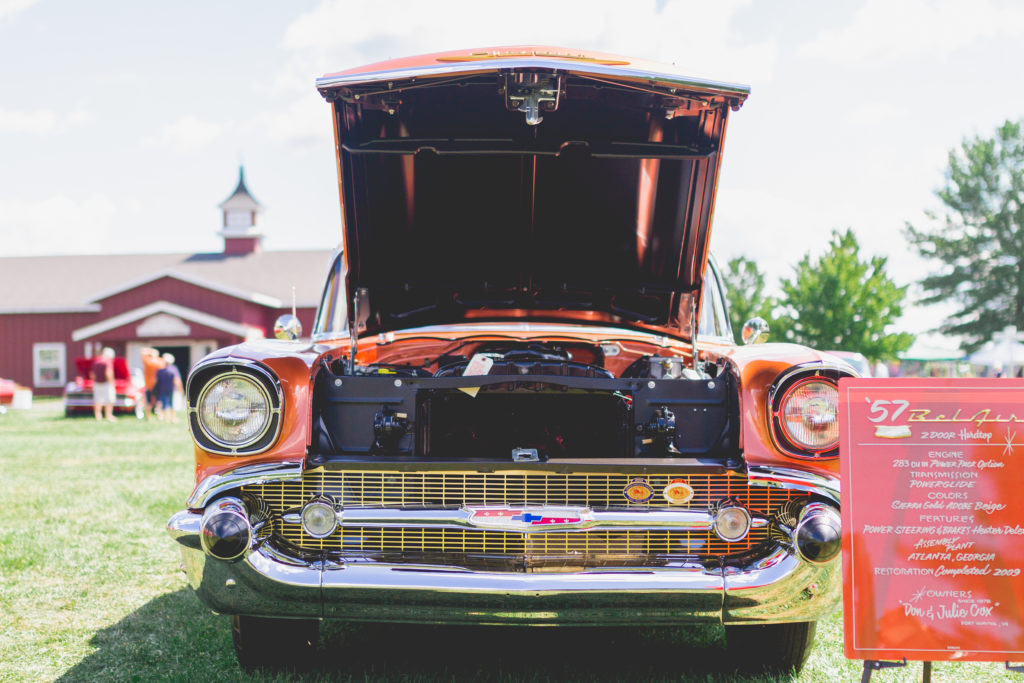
[
  {"x": 552, "y": 544},
  {"x": 375, "y": 488},
  {"x": 413, "y": 489}
]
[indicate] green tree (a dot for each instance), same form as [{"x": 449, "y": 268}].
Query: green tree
[
  {"x": 979, "y": 237},
  {"x": 838, "y": 302},
  {"x": 744, "y": 292}
]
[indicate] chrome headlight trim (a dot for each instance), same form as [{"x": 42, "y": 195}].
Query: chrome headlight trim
[
  {"x": 204, "y": 394},
  {"x": 205, "y": 375},
  {"x": 827, "y": 372}
]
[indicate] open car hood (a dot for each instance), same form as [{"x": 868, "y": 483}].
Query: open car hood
[
  {"x": 84, "y": 368},
  {"x": 528, "y": 182}
]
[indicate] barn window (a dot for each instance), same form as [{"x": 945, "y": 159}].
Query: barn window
[{"x": 48, "y": 364}]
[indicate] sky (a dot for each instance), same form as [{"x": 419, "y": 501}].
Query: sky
[{"x": 123, "y": 124}]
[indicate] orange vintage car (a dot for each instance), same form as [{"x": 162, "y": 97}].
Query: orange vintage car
[{"x": 522, "y": 402}]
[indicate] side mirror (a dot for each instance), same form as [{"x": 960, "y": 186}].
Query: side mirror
[
  {"x": 755, "y": 331},
  {"x": 288, "y": 327}
]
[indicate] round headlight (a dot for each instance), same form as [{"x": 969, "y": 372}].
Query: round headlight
[
  {"x": 809, "y": 415},
  {"x": 234, "y": 410}
]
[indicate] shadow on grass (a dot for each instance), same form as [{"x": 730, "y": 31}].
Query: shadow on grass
[{"x": 174, "y": 637}]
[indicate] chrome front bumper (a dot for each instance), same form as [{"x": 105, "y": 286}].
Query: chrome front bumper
[
  {"x": 86, "y": 401},
  {"x": 778, "y": 587}
]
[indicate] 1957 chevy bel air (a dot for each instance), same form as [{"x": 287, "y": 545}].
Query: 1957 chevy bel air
[{"x": 521, "y": 402}]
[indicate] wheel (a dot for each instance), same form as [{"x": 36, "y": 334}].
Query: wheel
[
  {"x": 777, "y": 648},
  {"x": 264, "y": 643}
]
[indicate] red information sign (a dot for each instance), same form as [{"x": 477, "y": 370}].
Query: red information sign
[{"x": 933, "y": 518}]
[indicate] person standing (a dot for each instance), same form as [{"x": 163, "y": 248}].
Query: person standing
[
  {"x": 168, "y": 381},
  {"x": 103, "y": 392},
  {"x": 151, "y": 363}
]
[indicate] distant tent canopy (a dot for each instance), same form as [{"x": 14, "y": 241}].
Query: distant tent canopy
[{"x": 932, "y": 348}]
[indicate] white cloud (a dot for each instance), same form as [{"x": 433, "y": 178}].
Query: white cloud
[
  {"x": 187, "y": 133},
  {"x": 8, "y": 8},
  {"x": 306, "y": 122},
  {"x": 56, "y": 224},
  {"x": 885, "y": 30},
  {"x": 42, "y": 121}
]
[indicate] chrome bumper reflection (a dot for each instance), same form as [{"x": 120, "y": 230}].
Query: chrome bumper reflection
[
  {"x": 820, "y": 483},
  {"x": 777, "y": 587},
  {"x": 86, "y": 401}
]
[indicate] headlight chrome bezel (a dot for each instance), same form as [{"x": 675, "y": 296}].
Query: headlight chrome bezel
[
  {"x": 204, "y": 376},
  {"x": 783, "y": 388}
]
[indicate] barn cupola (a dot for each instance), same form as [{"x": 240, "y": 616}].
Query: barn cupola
[{"x": 241, "y": 232}]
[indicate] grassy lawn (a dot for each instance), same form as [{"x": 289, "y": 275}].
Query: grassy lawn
[{"x": 90, "y": 588}]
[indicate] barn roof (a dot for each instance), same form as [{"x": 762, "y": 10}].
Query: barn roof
[{"x": 75, "y": 283}]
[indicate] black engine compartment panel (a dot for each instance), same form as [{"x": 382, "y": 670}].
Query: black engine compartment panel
[{"x": 561, "y": 413}]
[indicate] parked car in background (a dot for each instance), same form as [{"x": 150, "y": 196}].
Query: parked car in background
[
  {"x": 131, "y": 393},
  {"x": 522, "y": 402},
  {"x": 7, "y": 388}
]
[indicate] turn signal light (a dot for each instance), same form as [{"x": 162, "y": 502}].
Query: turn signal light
[
  {"x": 732, "y": 523},
  {"x": 319, "y": 519}
]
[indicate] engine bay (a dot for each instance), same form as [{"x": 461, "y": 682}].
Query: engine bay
[{"x": 528, "y": 401}]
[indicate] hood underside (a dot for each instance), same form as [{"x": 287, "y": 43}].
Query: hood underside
[{"x": 529, "y": 182}]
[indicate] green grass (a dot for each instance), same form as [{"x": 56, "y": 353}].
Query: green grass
[{"x": 90, "y": 589}]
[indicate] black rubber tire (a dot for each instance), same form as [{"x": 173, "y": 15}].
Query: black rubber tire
[
  {"x": 775, "y": 648},
  {"x": 264, "y": 643}
]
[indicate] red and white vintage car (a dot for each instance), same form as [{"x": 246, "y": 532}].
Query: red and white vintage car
[
  {"x": 522, "y": 402},
  {"x": 131, "y": 393}
]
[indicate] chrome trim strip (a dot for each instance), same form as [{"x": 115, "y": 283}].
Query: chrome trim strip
[
  {"x": 821, "y": 483},
  {"x": 581, "y": 68},
  {"x": 430, "y": 577},
  {"x": 247, "y": 474},
  {"x": 687, "y": 520}
]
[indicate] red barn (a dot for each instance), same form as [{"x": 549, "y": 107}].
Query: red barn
[{"x": 56, "y": 308}]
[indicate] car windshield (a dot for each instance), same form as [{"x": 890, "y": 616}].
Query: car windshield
[{"x": 331, "y": 319}]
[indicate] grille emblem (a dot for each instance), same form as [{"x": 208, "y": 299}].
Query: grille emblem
[
  {"x": 678, "y": 492},
  {"x": 638, "y": 491},
  {"x": 539, "y": 518}
]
